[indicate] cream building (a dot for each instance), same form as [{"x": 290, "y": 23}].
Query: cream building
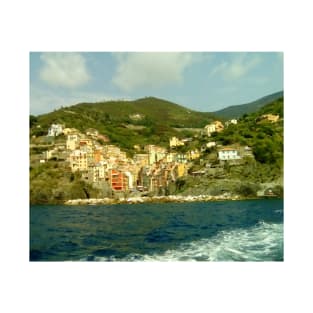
[{"x": 175, "y": 142}]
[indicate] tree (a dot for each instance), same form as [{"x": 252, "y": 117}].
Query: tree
[{"x": 32, "y": 121}]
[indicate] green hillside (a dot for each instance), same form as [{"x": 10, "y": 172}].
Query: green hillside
[
  {"x": 52, "y": 181},
  {"x": 265, "y": 138},
  {"x": 236, "y": 111},
  {"x": 143, "y": 121}
]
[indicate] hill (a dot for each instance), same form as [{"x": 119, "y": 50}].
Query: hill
[
  {"x": 53, "y": 181},
  {"x": 144, "y": 121},
  {"x": 236, "y": 111}
]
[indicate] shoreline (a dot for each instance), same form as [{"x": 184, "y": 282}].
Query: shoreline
[{"x": 160, "y": 199}]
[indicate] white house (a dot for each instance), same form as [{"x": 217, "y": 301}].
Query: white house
[
  {"x": 211, "y": 144},
  {"x": 228, "y": 153},
  {"x": 209, "y": 129},
  {"x": 232, "y": 121},
  {"x": 55, "y": 130}
]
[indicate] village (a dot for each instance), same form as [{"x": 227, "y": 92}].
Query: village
[{"x": 151, "y": 169}]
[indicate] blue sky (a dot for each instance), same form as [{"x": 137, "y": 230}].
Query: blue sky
[{"x": 202, "y": 81}]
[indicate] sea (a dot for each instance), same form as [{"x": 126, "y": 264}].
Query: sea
[{"x": 248, "y": 230}]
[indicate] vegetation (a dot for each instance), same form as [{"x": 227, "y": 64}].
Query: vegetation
[
  {"x": 265, "y": 138},
  {"x": 53, "y": 183},
  {"x": 237, "y": 111},
  {"x": 157, "y": 117},
  {"x": 154, "y": 121}
]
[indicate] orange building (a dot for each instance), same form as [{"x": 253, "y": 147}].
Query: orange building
[
  {"x": 97, "y": 154},
  {"x": 118, "y": 180}
]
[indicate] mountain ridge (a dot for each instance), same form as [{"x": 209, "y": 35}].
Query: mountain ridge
[
  {"x": 143, "y": 121},
  {"x": 236, "y": 111}
]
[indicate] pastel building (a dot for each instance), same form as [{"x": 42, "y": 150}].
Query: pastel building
[
  {"x": 156, "y": 153},
  {"x": 216, "y": 126},
  {"x": 118, "y": 180},
  {"x": 72, "y": 142},
  {"x": 142, "y": 159},
  {"x": 175, "y": 142},
  {"x": 211, "y": 144},
  {"x": 55, "y": 130},
  {"x": 232, "y": 121},
  {"x": 96, "y": 172},
  {"x": 78, "y": 161},
  {"x": 228, "y": 153}
]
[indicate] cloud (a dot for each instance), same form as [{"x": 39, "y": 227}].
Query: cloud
[
  {"x": 45, "y": 100},
  {"x": 64, "y": 69},
  {"x": 150, "y": 69},
  {"x": 237, "y": 67}
]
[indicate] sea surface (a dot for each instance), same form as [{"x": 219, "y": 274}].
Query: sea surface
[{"x": 250, "y": 230}]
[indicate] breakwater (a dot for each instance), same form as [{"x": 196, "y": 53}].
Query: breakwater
[{"x": 153, "y": 199}]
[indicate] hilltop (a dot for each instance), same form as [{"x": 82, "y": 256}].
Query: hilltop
[
  {"x": 143, "y": 121},
  {"x": 236, "y": 111}
]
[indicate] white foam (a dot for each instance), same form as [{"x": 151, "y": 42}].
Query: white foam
[{"x": 264, "y": 242}]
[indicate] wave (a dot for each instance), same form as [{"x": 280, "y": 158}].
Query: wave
[{"x": 263, "y": 242}]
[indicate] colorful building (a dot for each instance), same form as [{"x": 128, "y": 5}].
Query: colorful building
[
  {"x": 175, "y": 142},
  {"x": 72, "y": 142},
  {"x": 78, "y": 161},
  {"x": 156, "y": 153},
  {"x": 118, "y": 180}
]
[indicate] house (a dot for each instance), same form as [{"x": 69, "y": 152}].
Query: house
[
  {"x": 228, "y": 153},
  {"x": 78, "y": 161},
  {"x": 269, "y": 117},
  {"x": 171, "y": 157},
  {"x": 193, "y": 154},
  {"x": 136, "y": 117},
  {"x": 142, "y": 159},
  {"x": 216, "y": 126},
  {"x": 118, "y": 180},
  {"x": 72, "y": 142},
  {"x": 92, "y": 132},
  {"x": 209, "y": 129},
  {"x": 70, "y": 131},
  {"x": 114, "y": 153},
  {"x": 55, "y": 130},
  {"x": 246, "y": 151},
  {"x": 85, "y": 142},
  {"x": 96, "y": 172},
  {"x": 211, "y": 144},
  {"x": 97, "y": 155},
  {"x": 181, "y": 158},
  {"x": 156, "y": 153},
  {"x": 175, "y": 142},
  {"x": 181, "y": 169},
  {"x": 232, "y": 121}
]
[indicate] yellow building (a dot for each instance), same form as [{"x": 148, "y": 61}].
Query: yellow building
[
  {"x": 78, "y": 161},
  {"x": 270, "y": 117},
  {"x": 141, "y": 159},
  {"x": 216, "y": 126},
  {"x": 175, "y": 142},
  {"x": 181, "y": 169},
  {"x": 72, "y": 142}
]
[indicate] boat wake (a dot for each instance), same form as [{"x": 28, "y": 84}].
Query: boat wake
[{"x": 263, "y": 242}]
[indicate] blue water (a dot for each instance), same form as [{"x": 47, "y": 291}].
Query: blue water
[{"x": 249, "y": 230}]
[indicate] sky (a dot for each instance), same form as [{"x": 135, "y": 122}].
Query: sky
[{"x": 202, "y": 81}]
